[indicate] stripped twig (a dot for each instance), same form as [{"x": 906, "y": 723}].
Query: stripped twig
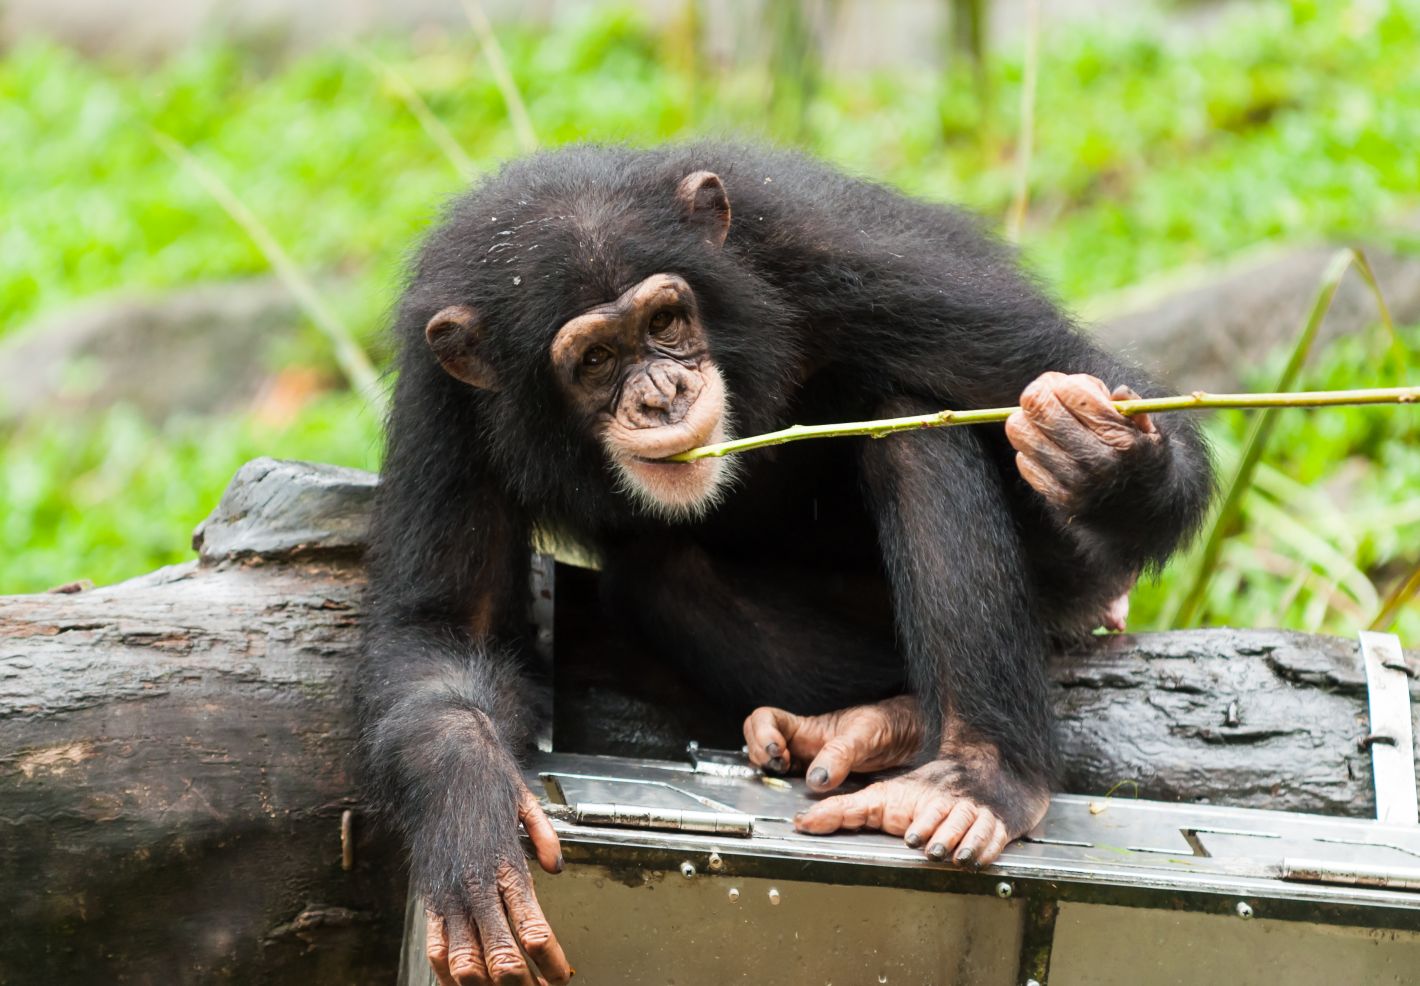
[{"x": 1198, "y": 400}]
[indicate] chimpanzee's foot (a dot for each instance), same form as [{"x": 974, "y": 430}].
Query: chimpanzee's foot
[{"x": 945, "y": 807}]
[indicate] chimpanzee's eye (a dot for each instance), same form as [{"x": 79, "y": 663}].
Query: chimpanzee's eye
[
  {"x": 595, "y": 357},
  {"x": 661, "y": 321}
]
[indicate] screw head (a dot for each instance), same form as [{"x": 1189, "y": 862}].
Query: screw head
[
  {"x": 1004, "y": 890},
  {"x": 774, "y": 896},
  {"x": 687, "y": 869},
  {"x": 734, "y": 894},
  {"x": 1244, "y": 910},
  {"x": 716, "y": 863}
]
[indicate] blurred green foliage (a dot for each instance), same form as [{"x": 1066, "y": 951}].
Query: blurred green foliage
[{"x": 1153, "y": 150}]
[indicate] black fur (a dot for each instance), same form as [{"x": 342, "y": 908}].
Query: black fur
[{"x": 835, "y": 573}]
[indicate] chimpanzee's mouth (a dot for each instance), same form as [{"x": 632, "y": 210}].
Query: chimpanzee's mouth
[{"x": 666, "y": 460}]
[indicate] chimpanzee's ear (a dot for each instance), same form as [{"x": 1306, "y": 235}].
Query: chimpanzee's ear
[
  {"x": 702, "y": 196},
  {"x": 455, "y": 337}
]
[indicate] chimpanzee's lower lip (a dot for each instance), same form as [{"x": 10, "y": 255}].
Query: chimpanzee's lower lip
[{"x": 665, "y": 461}]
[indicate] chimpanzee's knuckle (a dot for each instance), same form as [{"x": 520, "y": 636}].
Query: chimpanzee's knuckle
[
  {"x": 505, "y": 963},
  {"x": 937, "y": 803},
  {"x": 535, "y": 934},
  {"x": 466, "y": 968},
  {"x": 1019, "y": 430}
]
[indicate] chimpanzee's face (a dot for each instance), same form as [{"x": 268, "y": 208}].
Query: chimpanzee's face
[
  {"x": 634, "y": 370},
  {"x": 640, "y": 369}
]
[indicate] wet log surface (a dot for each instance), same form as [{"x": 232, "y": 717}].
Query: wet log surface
[{"x": 176, "y": 750}]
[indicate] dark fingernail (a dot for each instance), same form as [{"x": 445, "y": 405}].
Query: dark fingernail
[
  {"x": 937, "y": 851},
  {"x": 777, "y": 764},
  {"x": 557, "y": 866},
  {"x": 818, "y": 777},
  {"x": 912, "y": 839},
  {"x": 773, "y": 750},
  {"x": 965, "y": 857}
]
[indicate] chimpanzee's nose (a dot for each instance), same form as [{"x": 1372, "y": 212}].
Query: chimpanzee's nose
[{"x": 658, "y": 395}]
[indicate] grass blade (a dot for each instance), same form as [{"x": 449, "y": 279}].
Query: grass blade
[
  {"x": 416, "y": 105},
  {"x": 1025, "y": 147},
  {"x": 493, "y": 52},
  {"x": 1191, "y": 605},
  {"x": 349, "y": 356},
  {"x": 1405, "y": 590}
]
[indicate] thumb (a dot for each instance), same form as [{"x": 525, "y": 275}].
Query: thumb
[
  {"x": 1141, "y": 421},
  {"x": 833, "y": 764},
  {"x": 544, "y": 837}
]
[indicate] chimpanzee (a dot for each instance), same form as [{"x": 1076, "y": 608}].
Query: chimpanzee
[{"x": 583, "y": 314}]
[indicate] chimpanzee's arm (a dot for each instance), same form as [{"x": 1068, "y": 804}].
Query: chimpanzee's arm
[
  {"x": 944, "y": 311},
  {"x": 973, "y": 644},
  {"x": 444, "y": 704},
  {"x": 971, "y": 331}
]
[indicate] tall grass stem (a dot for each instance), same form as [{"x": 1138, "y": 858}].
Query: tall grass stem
[
  {"x": 354, "y": 363},
  {"x": 502, "y": 76}
]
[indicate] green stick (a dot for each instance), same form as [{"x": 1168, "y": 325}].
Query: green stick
[{"x": 1148, "y": 405}]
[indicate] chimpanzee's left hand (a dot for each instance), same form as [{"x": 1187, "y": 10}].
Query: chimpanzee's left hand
[{"x": 1070, "y": 440}]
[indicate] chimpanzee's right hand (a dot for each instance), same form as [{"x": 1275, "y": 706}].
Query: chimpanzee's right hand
[
  {"x": 483, "y": 935},
  {"x": 828, "y": 747}
]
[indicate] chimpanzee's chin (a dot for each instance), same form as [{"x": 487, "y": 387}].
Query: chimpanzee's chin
[{"x": 675, "y": 490}]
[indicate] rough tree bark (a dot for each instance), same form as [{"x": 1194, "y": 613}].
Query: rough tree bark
[{"x": 175, "y": 751}]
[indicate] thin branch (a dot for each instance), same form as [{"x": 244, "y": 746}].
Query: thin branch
[
  {"x": 409, "y": 96},
  {"x": 493, "y": 52},
  {"x": 1025, "y": 145},
  {"x": 1190, "y": 604},
  {"x": 349, "y": 356},
  {"x": 1197, "y": 400}
]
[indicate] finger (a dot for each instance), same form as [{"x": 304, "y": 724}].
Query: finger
[
  {"x": 977, "y": 838},
  {"x": 1116, "y": 614},
  {"x": 929, "y": 815},
  {"x": 436, "y": 947},
  {"x": 501, "y": 954},
  {"x": 1096, "y": 420},
  {"x": 834, "y": 763},
  {"x": 843, "y": 811},
  {"x": 1051, "y": 398},
  {"x": 1041, "y": 386},
  {"x": 466, "y": 966},
  {"x": 1041, "y": 481},
  {"x": 767, "y": 734},
  {"x": 1031, "y": 440},
  {"x": 1000, "y": 838},
  {"x": 949, "y": 833},
  {"x": 531, "y": 927},
  {"x": 544, "y": 837},
  {"x": 1141, "y": 421}
]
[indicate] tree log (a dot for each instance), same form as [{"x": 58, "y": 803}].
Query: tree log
[{"x": 175, "y": 751}]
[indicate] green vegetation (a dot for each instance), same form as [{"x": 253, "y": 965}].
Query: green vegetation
[{"x": 1295, "y": 119}]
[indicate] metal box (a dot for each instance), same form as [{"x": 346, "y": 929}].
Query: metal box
[
  {"x": 689, "y": 872},
  {"x": 1104, "y": 891}
]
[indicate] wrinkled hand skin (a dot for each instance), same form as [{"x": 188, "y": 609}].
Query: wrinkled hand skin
[
  {"x": 500, "y": 935},
  {"x": 965, "y": 805},
  {"x": 829, "y": 747},
  {"x": 1069, "y": 439}
]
